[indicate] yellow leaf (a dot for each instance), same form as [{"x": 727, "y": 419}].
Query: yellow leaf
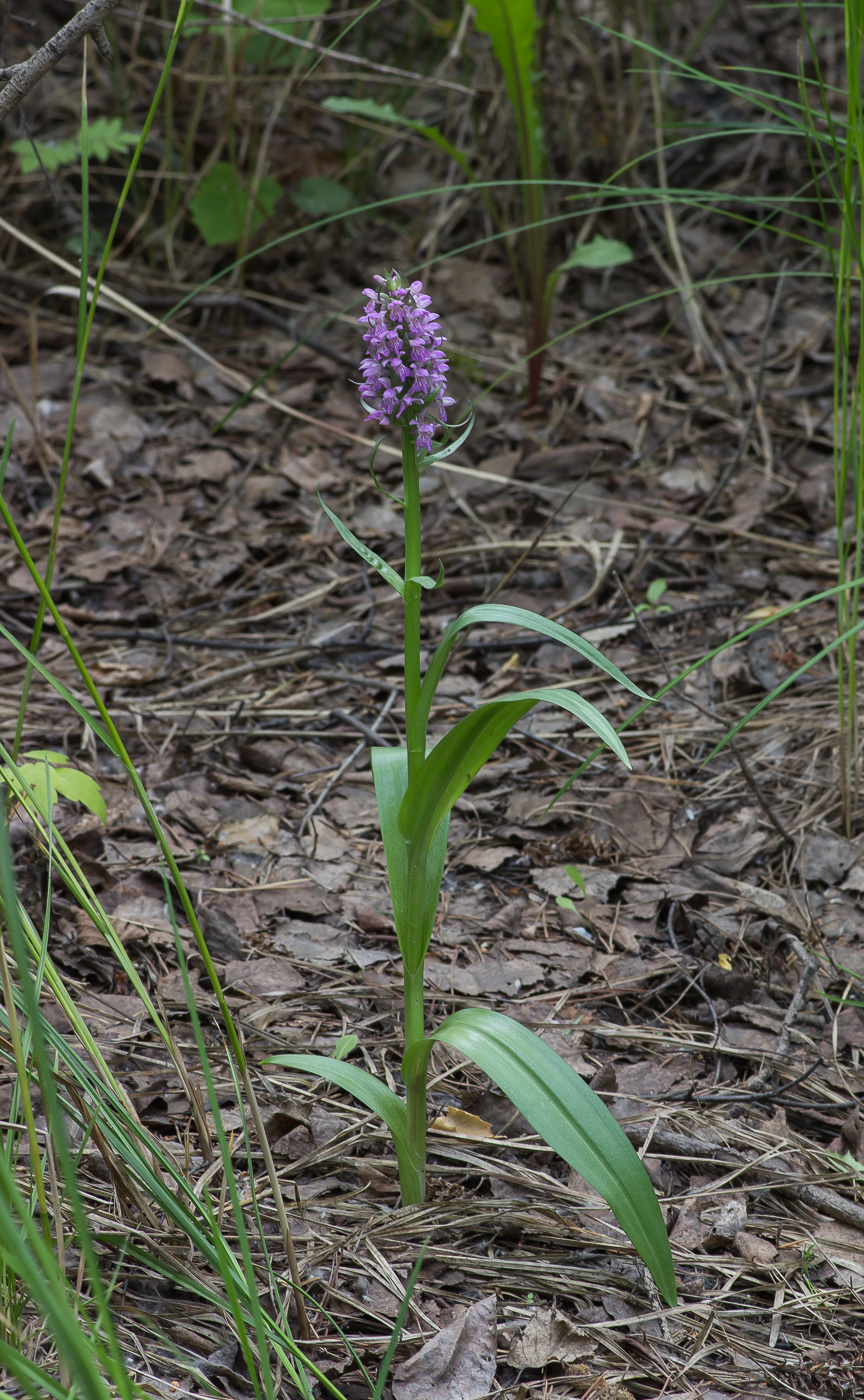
[
  {"x": 466, "y": 1125},
  {"x": 725, "y": 962},
  {"x": 768, "y": 610}
]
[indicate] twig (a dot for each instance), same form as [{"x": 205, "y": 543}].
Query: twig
[{"x": 21, "y": 78}]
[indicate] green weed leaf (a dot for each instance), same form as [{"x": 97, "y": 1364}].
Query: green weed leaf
[
  {"x": 221, "y": 201},
  {"x": 364, "y": 1086},
  {"x": 569, "y": 1117},
  {"x": 318, "y": 196},
  {"x": 655, "y": 590},
  {"x": 512, "y": 27},
  {"x": 106, "y": 136},
  {"x": 46, "y": 767},
  {"x": 599, "y": 253}
]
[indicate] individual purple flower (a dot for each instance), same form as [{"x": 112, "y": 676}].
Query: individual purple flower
[{"x": 405, "y": 369}]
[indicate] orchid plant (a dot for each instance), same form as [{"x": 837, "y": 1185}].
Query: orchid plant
[{"x": 405, "y": 385}]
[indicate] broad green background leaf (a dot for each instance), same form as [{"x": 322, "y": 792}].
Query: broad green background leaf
[
  {"x": 263, "y": 50},
  {"x": 364, "y": 1086},
  {"x": 378, "y": 564},
  {"x": 515, "y": 617},
  {"x": 390, "y": 771},
  {"x": 317, "y": 196},
  {"x": 65, "y": 781},
  {"x": 599, "y": 253},
  {"x": 221, "y": 201},
  {"x": 570, "y": 1117},
  {"x": 512, "y": 27}
]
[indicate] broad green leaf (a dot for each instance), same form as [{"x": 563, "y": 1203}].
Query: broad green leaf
[
  {"x": 364, "y": 1086},
  {"x": 512, "y": 27},
  {"x": 317, "y": 196},
  {"x": 453, "y": 763},
  {"x": 599, "y": 253},
  {"x": 515, "y": 617},
  {"x": 378, "y": 564},
  {"x": 570, "y": 1117},
  {"x": 415, "y": 918},
  {"x": 345, "y": 1046},
  {"x": 655, "y": 590},
  {"x": 220, "y": 207},
  {"x": 54, "y": 768}
]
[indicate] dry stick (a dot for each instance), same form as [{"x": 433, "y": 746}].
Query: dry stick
[
  {"x": 23, "y": 77},
  {"x": 751, "y": 417}
]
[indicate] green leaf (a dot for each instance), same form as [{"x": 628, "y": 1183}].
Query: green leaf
[
  {"x": 50, "y": 154},
  {"x": 317, "y": 196},
  {"x": 221, "y": 202},
  {"x": 457, "y": 758},
  {"x": 366, "y": 107},
  {"x": 50, "y": 767},
  {"x": 576, "y": 877},
  {"x": 517, "y": 617},
  {"x": 582, "y": 709},
  {"x": 599, "y": 253},
  {"x": 512, "y": 27},
  {"x": 364, "y": 1086},
  {"x": 570, "y": 1117},
  {"x": 414, "y": 922},
  {"x": 345, "y": 1046},
  {"x": 655, "y": 590},
  {"x": 265, "y": 50},
  {"x": 378, "y": 564},
  {"x": 453, "y": 763},
  {"x": 105, "y": 137}
]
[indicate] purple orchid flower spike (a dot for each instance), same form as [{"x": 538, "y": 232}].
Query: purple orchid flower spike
[{"x": 405, "y": 370}]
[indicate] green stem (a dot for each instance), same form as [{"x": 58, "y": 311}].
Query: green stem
[
  {"x": 413, "y": 569},
  {"x": 414, "y": 1190}
]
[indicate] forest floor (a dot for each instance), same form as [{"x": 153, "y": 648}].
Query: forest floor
[{"x": 708, "y": 987}]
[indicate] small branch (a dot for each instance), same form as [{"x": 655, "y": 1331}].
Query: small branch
[{"x": 21, "y": 78}]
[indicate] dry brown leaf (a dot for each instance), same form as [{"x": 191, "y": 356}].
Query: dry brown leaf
[
  {"x": 550, "y": 1336},
  {"x": 466, "y": 1125},
  {"x": 457, "y": 1364}
]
